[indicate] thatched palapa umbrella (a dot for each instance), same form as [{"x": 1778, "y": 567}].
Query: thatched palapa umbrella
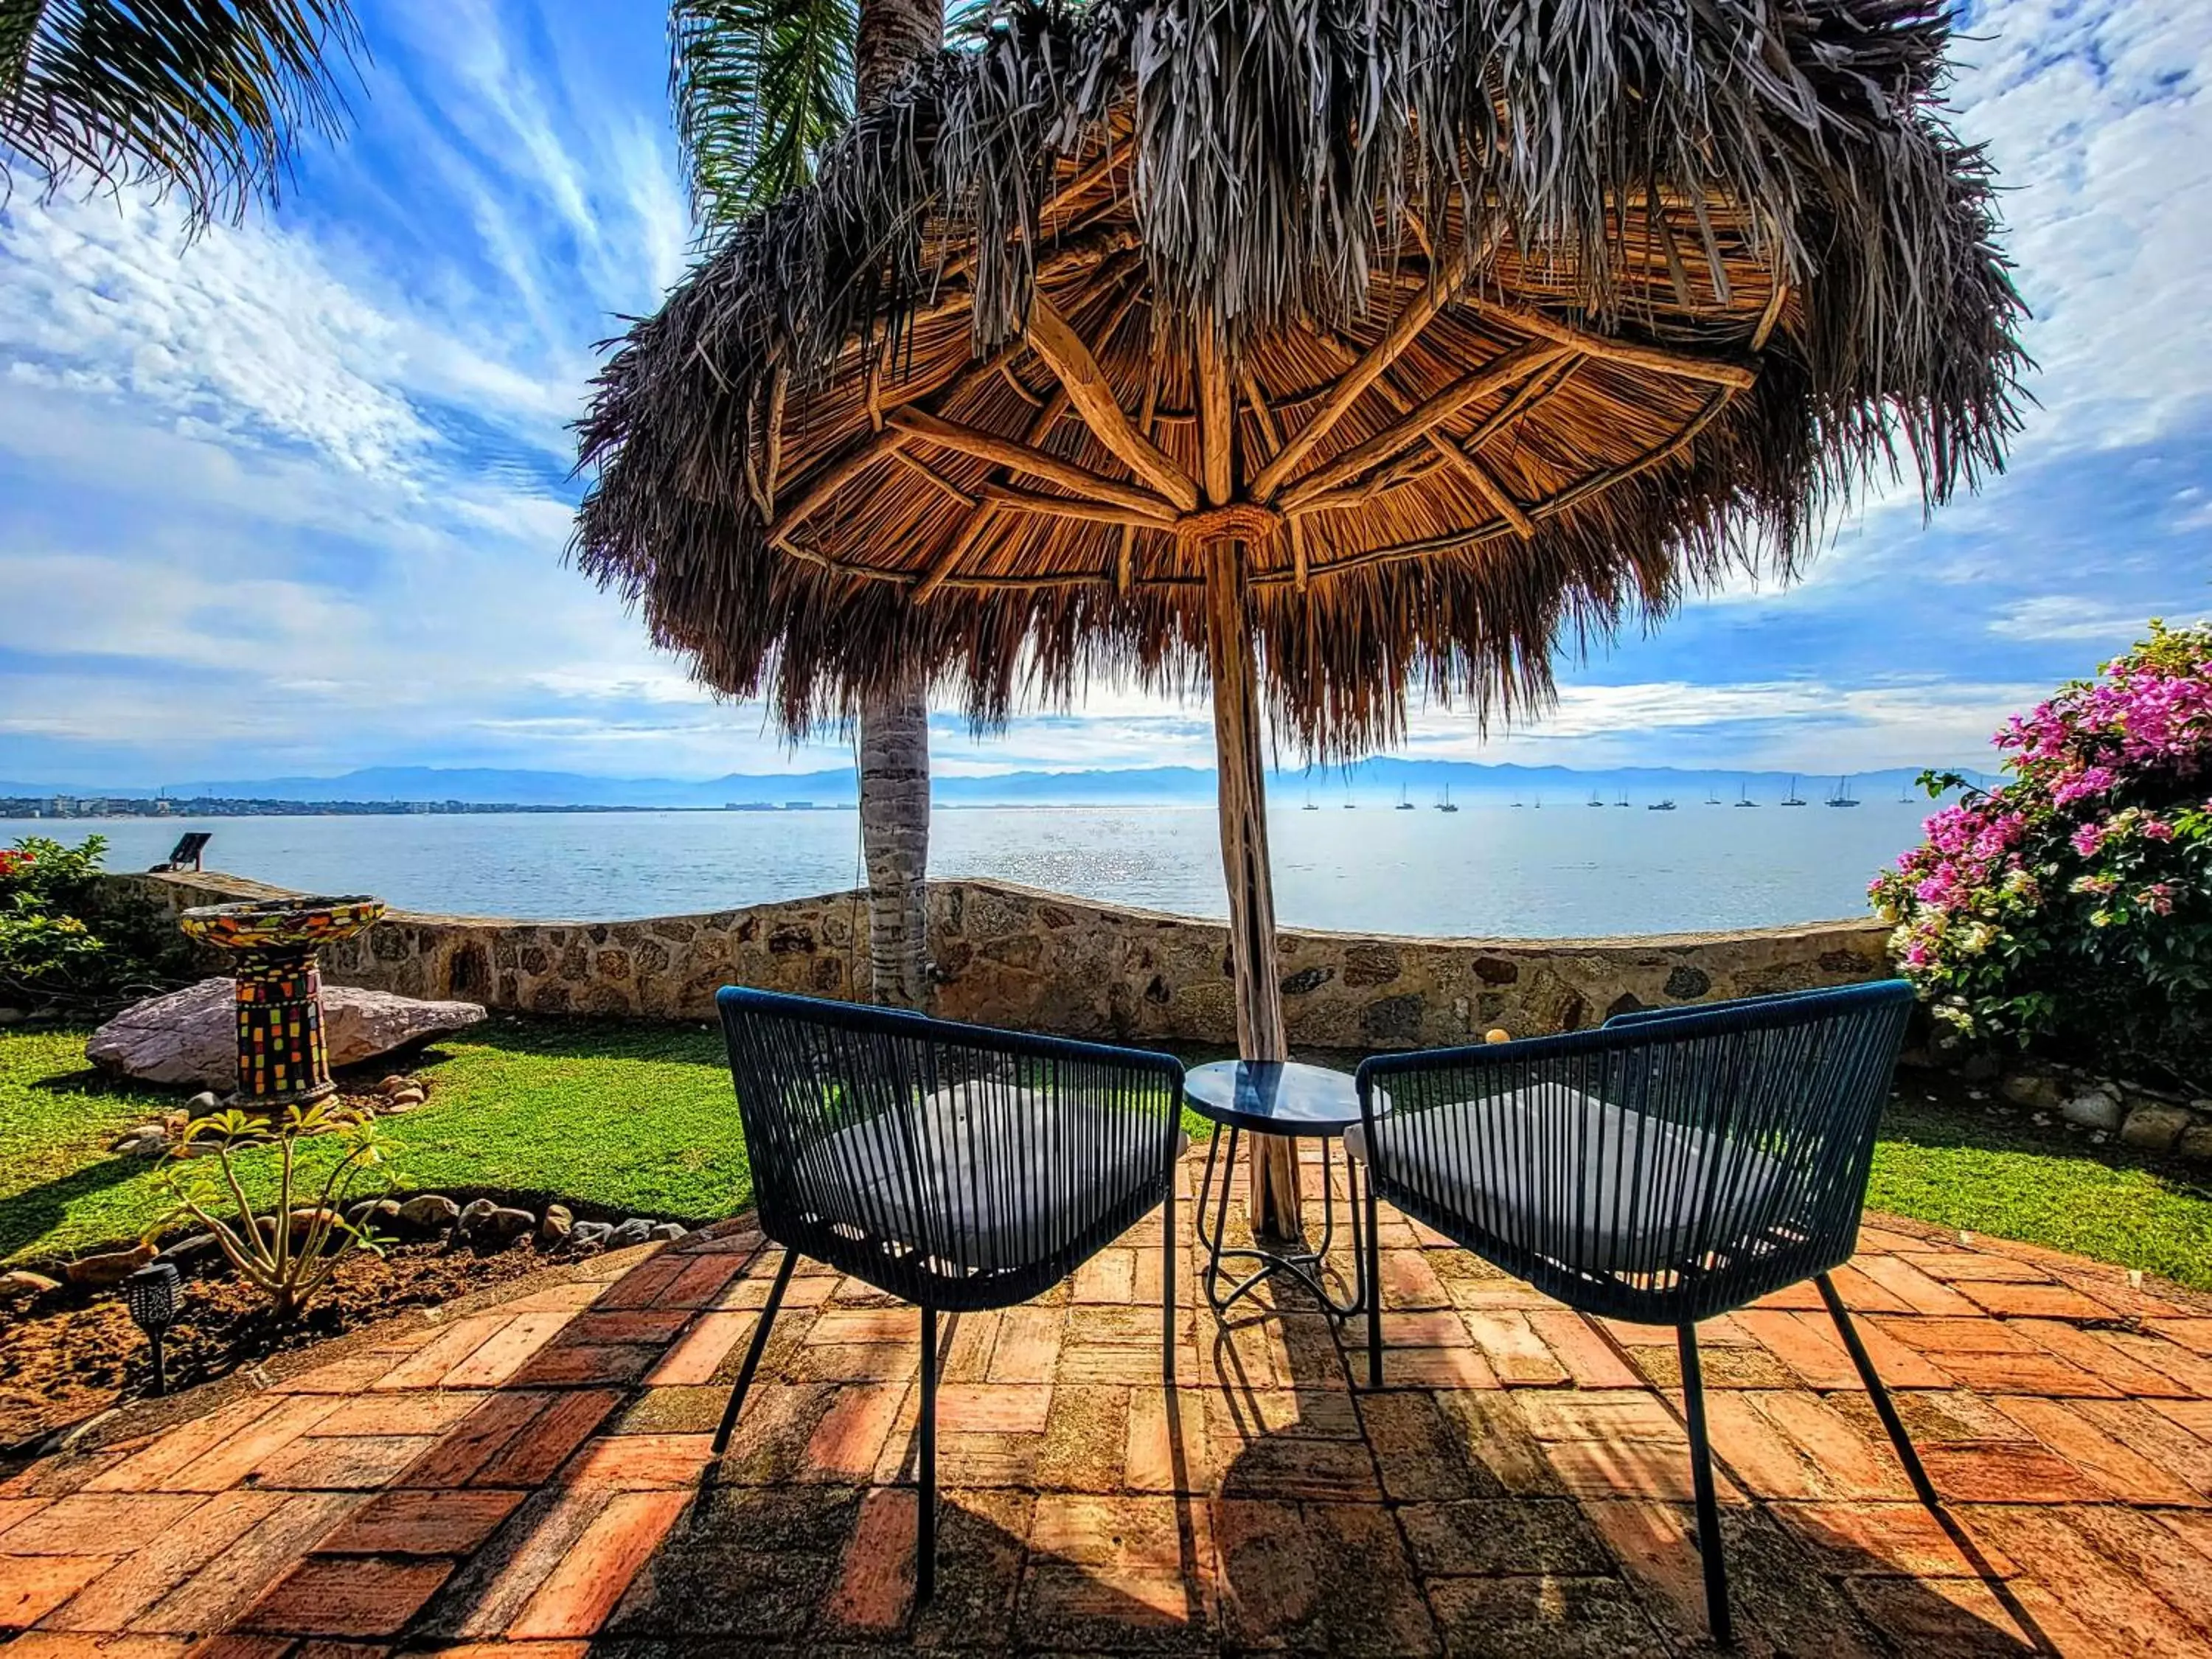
[{"x": 1336, "y": 352}]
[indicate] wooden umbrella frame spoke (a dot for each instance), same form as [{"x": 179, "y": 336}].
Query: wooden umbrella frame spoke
[
  {"x": 1303, "y": 570},
  {"x": 1013, "y": 454},
  {"x": 1298, "y": 473},
  {"x": 1420, "y": 424},
  {"x": 1080, "y": 377}
]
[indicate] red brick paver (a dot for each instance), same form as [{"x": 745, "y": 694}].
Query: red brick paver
[{"x": 532, "y": 1479}]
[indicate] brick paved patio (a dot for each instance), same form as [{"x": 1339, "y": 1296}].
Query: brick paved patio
[{"x": 525, "y": 1479}]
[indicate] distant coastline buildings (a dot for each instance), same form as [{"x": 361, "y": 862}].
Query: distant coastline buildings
[
  {"x": 224, "y": 806},
  {"x": 219, "y": 806}
]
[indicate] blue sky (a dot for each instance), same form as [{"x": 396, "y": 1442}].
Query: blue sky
[{"x": 293, "y": 498}]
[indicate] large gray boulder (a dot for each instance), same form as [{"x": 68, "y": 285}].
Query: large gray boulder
[{"x": 191, "y": 1037}]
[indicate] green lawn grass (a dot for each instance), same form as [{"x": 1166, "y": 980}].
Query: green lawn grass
[
  {"x": 54, "y": 1130},
  {"x": 1947, "y": 1158},
  {"x": 639, "y": 1119},
  {"x": 634, "y": 1118}
]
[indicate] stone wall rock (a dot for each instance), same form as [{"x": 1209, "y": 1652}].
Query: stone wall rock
[{"x": 1047, "y": 961}]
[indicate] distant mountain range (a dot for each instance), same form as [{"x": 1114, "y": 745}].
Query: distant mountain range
[{"x": 1378, "y": 780}]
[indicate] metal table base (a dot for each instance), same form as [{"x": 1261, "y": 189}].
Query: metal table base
[{"x": 1307, "y": 1266}]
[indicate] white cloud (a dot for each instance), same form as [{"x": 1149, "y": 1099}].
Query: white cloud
[
  {"x": 1814, "y": 725},
  {"x": 2070, "y": 617},
  {"x": 244, "y": 334},
  {"x": 2098, "y": 119}
]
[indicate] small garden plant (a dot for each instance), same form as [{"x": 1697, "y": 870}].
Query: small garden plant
[
  {"x": 290, "y": 1253},
  {"x": 72, "y": 941},
  {"x": 2072, "y": 904}
]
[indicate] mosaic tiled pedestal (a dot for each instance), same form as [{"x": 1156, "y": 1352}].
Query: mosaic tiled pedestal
[{"x": 282, "y": 1059}]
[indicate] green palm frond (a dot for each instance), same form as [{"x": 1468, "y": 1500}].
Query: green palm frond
[
  {"x": 760, "y": 87},
  {"x": 201, "y": 97}
]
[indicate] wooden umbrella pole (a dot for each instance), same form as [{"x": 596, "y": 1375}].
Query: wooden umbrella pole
[{"x": 1273, "y": 1164}]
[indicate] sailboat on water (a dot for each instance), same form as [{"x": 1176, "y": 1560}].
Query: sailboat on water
[
  {"x": 1622, "y": 802},
  {"x": 1405, "y": 798},
  {"x": 1743, "y": 795},
  {"x": 1712, "y": 795},
  {"x": 1312, "y": 805},
  {"x": 1594, "y": 800},
  {"x": 1843, "y": 795},
  {"x": 1445, "y": 805},
  {"x": 1793, "y": 799}
]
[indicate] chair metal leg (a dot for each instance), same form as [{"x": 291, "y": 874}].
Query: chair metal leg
[
  {"x": 925, "y": 1532},
  {"x": 1374, "y": 1286},
  {"x": 753, "y": 1354},
  {"x": 1701, "y": 1476},
  {"x": 1169, "y": 1258},
  {"x": 1220, "y": 1151},
  {"x": 1883, "y": 1406}
]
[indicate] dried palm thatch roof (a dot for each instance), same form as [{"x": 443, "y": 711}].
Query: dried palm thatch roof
[{"x": 1474, "y": 325}]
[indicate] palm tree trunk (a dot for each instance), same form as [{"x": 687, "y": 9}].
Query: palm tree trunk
[
  {"x": 894, "y": 739},
  {"x": 892, "y": 37}
]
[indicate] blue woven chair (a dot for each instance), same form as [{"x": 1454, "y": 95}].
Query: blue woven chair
[
  {"x": 952, "y": 1166},
  {"x": 1669, "y": 1167}
]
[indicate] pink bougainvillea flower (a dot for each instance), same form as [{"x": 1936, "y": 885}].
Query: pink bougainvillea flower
[
  {"x": 2055, "y": 877},
  {"x": 2092, "y": 781}
]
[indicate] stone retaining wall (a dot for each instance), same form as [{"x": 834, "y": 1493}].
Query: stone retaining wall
[{"x": 1044, "y": 962}]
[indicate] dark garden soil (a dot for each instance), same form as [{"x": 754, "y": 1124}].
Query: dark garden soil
[{"x": 79, "y": 1354}]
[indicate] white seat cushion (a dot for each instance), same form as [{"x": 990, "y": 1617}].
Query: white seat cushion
[
  {"x": 987, "y": 1175},
  {"x": 1576, "y": 1179}
]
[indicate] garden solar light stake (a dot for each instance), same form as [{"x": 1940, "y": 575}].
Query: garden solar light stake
[{"x": 150, "y": 1294}]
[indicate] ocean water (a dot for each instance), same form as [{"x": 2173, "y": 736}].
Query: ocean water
[{"x": 1564, "y": 869}]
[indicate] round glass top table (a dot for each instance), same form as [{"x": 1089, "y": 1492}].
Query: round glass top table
[{"x": 1275, "y": 1097}]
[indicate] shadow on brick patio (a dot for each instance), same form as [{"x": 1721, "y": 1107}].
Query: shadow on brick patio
[{"x": 533, "y": 1475}]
